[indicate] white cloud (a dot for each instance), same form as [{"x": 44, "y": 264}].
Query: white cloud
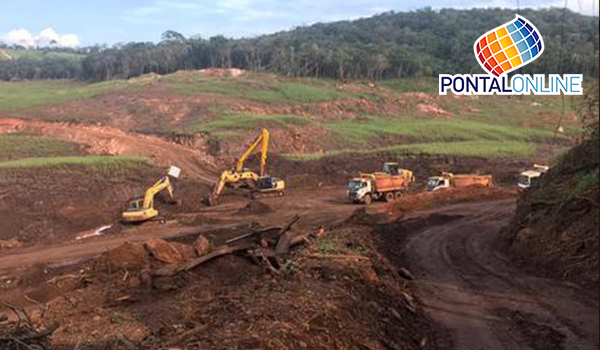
[
  {"x": 586, "y": 7},
  {"x": 46, "y": 38}
]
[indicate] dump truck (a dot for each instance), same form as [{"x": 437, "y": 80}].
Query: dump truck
[
  {"x": 530, "y": 177},
  {"x": 387, "y": 185},
  {"x": 449, "y": 180}
]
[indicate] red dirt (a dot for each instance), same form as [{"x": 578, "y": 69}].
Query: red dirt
[
  {"x": 425, "y": 200},
  {"x": 255, "y": 207},
  {"x": 434, "y": 110},
  {"x": 107, "y": 140},
  {"x": 28, "y": 193},
  {"x": 317, "y": 303}
]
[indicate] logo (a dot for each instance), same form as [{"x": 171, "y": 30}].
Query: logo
[
  {"x": 509, "y": 46},
  {"x": 502, "y": 50}
]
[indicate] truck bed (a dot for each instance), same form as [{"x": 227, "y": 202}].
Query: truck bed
[{"x": 464, "y": 180}]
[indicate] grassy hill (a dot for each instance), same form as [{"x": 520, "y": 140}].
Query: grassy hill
[
  {"x": 38, "y": 55},
  {"x": 310, "y": 118}
]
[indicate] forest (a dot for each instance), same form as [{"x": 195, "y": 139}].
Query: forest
[{"x": 389, "y": 45}]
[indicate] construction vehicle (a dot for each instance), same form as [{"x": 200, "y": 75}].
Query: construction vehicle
[
  {"x": 449, "y": 180},
  {"x": 387, "y": 185},
  {"x": 242, "y": 178},
  {"x": 142, "y": 208},
  {"x": 530, "y": 177}
]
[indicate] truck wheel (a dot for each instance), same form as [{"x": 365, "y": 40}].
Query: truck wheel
[
  {"x": 389, "y": 196},
  {"x": 398, "y": 195},
  {"x": 368, "y": 199}
]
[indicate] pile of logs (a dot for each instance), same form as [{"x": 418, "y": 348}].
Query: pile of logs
[
  {"x": 266, "y": 246},
  {"x": 22, "y": 334}
]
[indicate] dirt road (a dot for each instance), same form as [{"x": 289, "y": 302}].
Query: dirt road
[
  {"x": 323, "y": 208},
  {"x": 484, "y": 303}
]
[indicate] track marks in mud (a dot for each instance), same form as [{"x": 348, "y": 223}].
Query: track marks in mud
[
  {"x": 463, "y": 282},
  {"x": 536, "y": 333}
]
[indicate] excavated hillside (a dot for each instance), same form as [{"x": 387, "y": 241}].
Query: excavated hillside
[{"x": 555, "y": 229}]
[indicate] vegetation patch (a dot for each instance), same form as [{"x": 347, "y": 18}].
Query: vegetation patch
[
  {"x": 246, "y": 121},
  {"x": 14, "y": 95},
  {"x": 255, "y": 89},
  {"x": 91, "y": 162},
  {"x": 16, "y": 146},
  {"x": 38, "y": 55},
  {"x": 425, "y": 84},
  {"x": 487, "y": 149},
  {"x": 368, "y": 128}
]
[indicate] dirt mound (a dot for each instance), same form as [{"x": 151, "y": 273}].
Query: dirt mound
[
  {"x": 556, "y": 225},
  {"x": 362, "y": 216},
  {"x": 10, "y": 125},
  {"x": 222, "y": 72},
  {"x": 255, "y": 207},
  {"x": 169, "y": 252},
  {"x": 110, "y": 140},
  {"x": 128, "y": 256},
  {"x": 433, "y": 109},
  {"x": 361, "y": 302},
  {"x": 426, "y": 200},
  {"x": 146, "y": 78}
]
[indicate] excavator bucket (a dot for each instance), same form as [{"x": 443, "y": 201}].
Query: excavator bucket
[{"x": 210, "y": 200}]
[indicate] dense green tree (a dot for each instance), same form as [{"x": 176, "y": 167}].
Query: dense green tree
[{"x": 390, "y": 45}]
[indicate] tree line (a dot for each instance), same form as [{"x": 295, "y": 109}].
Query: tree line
[{"x": 389, "y": 45}]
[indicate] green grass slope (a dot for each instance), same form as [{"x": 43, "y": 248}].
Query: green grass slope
[{"x": 394, "y": 115}]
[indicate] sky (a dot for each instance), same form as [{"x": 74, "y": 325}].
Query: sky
[{"x": 86, "y": 22}]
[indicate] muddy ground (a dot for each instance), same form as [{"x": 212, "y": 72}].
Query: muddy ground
[
  {"x": 346, "y": 287},
  {"x": 358, "y": 283},
  {"x": 80, "y": 200},
  {"x": 334, "y": 292},
  {"x": 26, "y": 194},
  {"x": 478, "y": 296}
]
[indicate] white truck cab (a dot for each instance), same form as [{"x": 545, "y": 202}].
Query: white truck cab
[
  {"x": 529, "y": 177},
  {"x": 387, "y": 184},
  {"x": 358, "y": 188},
  {"x": 438, "y": 182}
]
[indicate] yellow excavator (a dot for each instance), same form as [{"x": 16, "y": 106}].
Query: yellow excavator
[
  {"x": 243, "y": 178},
  {"x": 142, "y": 208}
]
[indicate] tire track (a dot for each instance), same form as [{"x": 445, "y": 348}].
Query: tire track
[{"x": 484, "y": 302}]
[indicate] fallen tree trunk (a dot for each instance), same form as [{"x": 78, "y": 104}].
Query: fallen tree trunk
[
  {"x": 283, "y": 245},
  {"x": 219, "y": 251},
  {"x": 253, "y": 233}
]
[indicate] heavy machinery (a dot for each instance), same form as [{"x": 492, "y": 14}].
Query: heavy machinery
[
  {"x": 448, "y": 180},
  {"x": 387, "y": 184},
  {"x": 530, "y": 177},
  {"x": 242, "y": 178},
  {"x": 142, "y": 208}
]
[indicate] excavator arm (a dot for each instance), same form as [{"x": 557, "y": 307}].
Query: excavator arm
[
  {"x": 263, "y": 140},
  {"x": 239, "y": 175},
  {"x": 225, "y": 176},
  {"x": 145, "y": 211},
  {"x": 160, "y": 185}
]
